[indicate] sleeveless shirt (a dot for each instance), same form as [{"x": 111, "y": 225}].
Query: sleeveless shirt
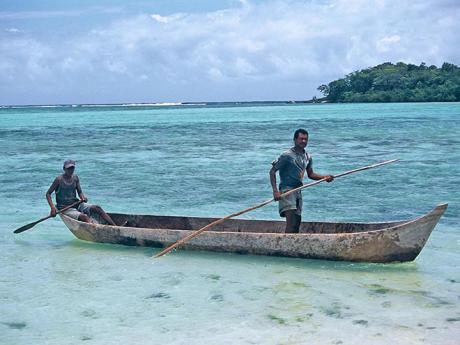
[{"x": 66, "y": 192}]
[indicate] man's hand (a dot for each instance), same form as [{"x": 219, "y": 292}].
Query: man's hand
[
  {"x": 276, "y": 195},
  {"x": 329, "y": 178},
  {"x": 84, "y": 199},
  {"x": 53, "y": 212}
]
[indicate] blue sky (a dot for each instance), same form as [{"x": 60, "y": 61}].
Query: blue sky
[{"x": 100, "y": 51}]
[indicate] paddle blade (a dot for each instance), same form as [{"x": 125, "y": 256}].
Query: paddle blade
[
  {"x": 31, "y": 225},
  {"x": 25, "y": 227}
]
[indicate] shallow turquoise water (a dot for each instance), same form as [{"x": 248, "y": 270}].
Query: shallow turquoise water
[{"x": 212, "y": 161}]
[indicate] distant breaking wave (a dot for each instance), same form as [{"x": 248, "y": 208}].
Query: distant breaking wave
[
  {"x": 163, "y": 104},
  {"x": 159, "y": 104}
]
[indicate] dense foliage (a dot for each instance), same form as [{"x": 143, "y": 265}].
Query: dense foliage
[{"x": 397, "y": 83}]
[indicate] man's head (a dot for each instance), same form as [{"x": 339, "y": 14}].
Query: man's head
[
  {"x": 69, "y": 166},
  {"x": 301, "y": 138}
]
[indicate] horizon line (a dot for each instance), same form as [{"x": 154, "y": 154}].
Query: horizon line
[{"x": 133, "y": 104}]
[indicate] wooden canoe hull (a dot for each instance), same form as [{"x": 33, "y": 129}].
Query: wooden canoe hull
[{"x": 363, "y": 242}]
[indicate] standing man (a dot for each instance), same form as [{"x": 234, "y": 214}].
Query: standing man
[
  {"x": 66, "y": 187},
  {"x": 292, "y": 165}
]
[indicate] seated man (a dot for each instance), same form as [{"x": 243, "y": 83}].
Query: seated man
[{"x": 65, "y": 186}]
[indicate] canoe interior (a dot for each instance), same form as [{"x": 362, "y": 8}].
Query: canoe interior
[{"x": 243, "y": 225}]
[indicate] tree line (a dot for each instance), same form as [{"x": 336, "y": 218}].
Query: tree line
[{"x": 396, "y": 83}]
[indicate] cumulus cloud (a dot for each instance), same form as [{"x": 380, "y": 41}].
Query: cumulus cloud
[
  {"x": 13, "y": 30},
  {"x": 268, "y": 50}
]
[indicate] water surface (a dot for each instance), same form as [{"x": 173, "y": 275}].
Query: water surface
[{"x": 212, "y": 161}]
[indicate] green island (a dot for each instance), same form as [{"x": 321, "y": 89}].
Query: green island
[{"x": 398, "y": 82}]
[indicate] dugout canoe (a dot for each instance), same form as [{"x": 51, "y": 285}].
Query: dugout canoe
[{"x": 365, "y": 242}]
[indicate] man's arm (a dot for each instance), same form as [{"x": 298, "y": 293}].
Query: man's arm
[
  {"x": 276, "y": 193},
  {"x": 314, "y": 176},
  {"x": 80, "y": 192},
  {"x": 50, "y": 190}
]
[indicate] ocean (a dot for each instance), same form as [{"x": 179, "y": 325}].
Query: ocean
[{"x": 213, "y": 160}]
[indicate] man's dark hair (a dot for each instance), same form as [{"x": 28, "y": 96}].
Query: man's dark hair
[{"x": 300, "y": 130}]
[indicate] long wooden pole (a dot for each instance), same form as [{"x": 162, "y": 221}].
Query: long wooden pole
[
  {"x": 196, "y": 233},
  {"x": 31, "y": 225}
]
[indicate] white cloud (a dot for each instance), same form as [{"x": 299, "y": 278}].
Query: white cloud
[
  {"x": 159, "y": 18},
  {"x": 386, "y": 43},
  {"x": 13, "y": 30},
  {"x": 248, "y": 48}
]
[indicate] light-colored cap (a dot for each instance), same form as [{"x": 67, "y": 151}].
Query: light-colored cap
[{"x": 69, "y": 163}]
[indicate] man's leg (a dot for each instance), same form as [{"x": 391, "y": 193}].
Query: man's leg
[
  {"x": 292, "y": 221},
  {"x": 298, "y": 221},
  {"x": 75, "y": 214},
  {"x": 84, "y": 218},
  {"x": 98, "y": 209}
]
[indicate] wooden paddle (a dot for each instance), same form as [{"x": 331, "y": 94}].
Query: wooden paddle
[
  {"x": 31, "y": 225},
  {"x": 196, "y": 233}
]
